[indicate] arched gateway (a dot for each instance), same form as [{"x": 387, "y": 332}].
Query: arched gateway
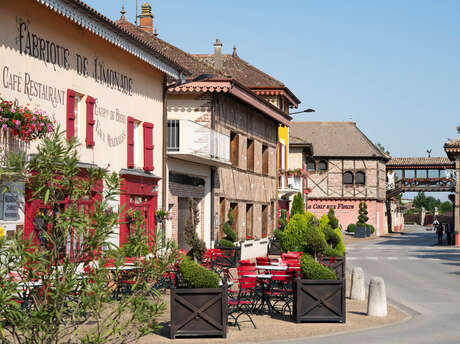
[{"x": 452, "y": 148}]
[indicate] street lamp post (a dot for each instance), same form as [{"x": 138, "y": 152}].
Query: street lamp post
[{"x": 307, "y": 110}]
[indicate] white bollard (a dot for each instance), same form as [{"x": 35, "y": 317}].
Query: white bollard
[
  {"x": 357, "y": 290},
  {"x": 377, "y": 302}
]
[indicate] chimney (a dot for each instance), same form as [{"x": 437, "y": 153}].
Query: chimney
[
  {"x": 218, "y": 54},
  {"x": 234, "y": 54},
  {"x": 146, "y": 18}
]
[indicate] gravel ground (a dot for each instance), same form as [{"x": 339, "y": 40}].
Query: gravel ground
[{"x": 271, "y": 329}]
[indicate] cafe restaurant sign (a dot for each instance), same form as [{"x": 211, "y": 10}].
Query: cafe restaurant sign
[{"x": 48, "y": 51}]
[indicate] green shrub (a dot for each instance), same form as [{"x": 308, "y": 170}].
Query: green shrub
[
  {"x": 314, "y": 244},
  {"x": 282, "y": 220},
  {"x": 323, "y": 224},
  {"x": 197, "y": 276},
  {"x": 227, "y": 227},
  {"x": 226, "y": 243},
  {"x": 294, "y": 234},
  {"x": 341, "y": 245},
  {"x": 332, "y": 238},
  {"x": 298, "y": 206},
  {"x": 331, "y": 252},
  {"x": 372, "y": 228},
  {"x": 351, "y": 228},
  {"x": 333, "y": 221},
  {"x": 278, "y": 233},
  {"x": 362, "y": 218},
  {"x": 313, "y": 270}
]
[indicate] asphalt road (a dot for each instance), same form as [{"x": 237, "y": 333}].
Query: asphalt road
[{"x": 421, "y": 276}]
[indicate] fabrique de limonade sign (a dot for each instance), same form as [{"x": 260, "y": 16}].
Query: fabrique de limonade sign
[{"x": 46, "y": 50}]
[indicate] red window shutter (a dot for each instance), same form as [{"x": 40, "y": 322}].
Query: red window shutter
[
  {"x": 130, "y": 140},
  {"x": 90, "y": 121},
  {"x": 70, "y": 122},
  {"x": 148, "y": 146}
]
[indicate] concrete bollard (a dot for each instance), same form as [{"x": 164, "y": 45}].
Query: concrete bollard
[
  {"x": 377, "y": 300},
  {"x": 357, "y": 290}
]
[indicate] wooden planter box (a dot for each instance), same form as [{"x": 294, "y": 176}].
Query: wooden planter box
[
  {"x": 200, "y": 312},
  {"x": 319, "y": 301},
  {"x": 274, "y": 248},
  {"x": 360, "y": 232},
  {"x": 232, "y": 256},
  {"x": 336, "y": 264}
]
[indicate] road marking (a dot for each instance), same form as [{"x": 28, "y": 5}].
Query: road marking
[
  {"x": 413, "y": 258},
  {"x": 372, "y": 258},
  {"x": 392, "y": 258}
]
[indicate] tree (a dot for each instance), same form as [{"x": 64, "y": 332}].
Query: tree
[
  {"x": 446, "y": 207},
  {"x": 75, "y": 300},
  {"x": 197, "y": 246},
  {"x": 429, "y": 203},
  {"x": 282, "y": 220},
  {"x": 382, "y": 149},
  {"x": 298, "y": 206}
]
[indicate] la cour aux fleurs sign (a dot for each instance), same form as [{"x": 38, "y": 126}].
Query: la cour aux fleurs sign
[{"x": 58, "y": 55}]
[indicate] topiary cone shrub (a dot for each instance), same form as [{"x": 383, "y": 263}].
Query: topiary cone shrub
[
  {"x": 333, "y": 221},
  {"x": 298, "y": 206},
  {"x": 362, "y": 218},
  {"x": 230, "y": 238},
  {"x": 196, "y": 276}
]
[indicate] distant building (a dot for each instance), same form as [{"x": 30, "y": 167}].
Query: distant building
[{"x": 345, "y": 169}]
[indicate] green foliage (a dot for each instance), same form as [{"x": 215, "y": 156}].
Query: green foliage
[
  {"x": 333, "y": 221},
  {"x": 282, "y": 220},
  {"x": 294, "y": 233},
  {"x": 298, "y": 206},
  {"x": 351, "y": 228},
  {"x": 95, "y": 316},
  {"x": 323, "y": 224},
  {"x": 362, "y": 218},
  {"x": 382, "y": 149},
  {"x": 446, "y": 207},
  {"x": 429, "y": 203},
  {"x": 372, "y": 228},
  {"x": 341, "y": 245},
  {"x": 332, "y": 252},
  {"x": 313, "y": 270},
  {"x": 226, "y": 243},
  {"x": 314, "y": 244},
  {"x": 227, "y": 227},
  {"x": 197, "y": 246},
  {"x": 197, "y": 276},
  {"x": 278, "y": 234},
  {"x": 332, "y": 238},
  {"x": 137, "y": 243}
]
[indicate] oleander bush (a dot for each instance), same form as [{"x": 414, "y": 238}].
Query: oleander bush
[
  {"x": 197, "y": 276},
  {"x": 313, "y": 270}
]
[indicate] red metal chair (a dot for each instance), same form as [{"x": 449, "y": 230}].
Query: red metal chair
[
  {"x": 263, "y": 261},
  {"x": 278, "y": 294}
]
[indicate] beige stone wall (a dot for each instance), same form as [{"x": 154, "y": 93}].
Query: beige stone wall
[{"x": 295, "y": 157}]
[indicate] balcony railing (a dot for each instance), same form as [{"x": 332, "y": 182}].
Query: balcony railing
[
  {"x": 10, "y": 144},
  {"x": 295, "y": 182},
  {"x": 192, "y": 141}
]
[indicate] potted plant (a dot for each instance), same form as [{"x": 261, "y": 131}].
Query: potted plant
[
  {"x": 232, "y": 253},
  {"x": 274, "y": 246},
  {"x": 199, "y": 306},
  {"x": 318, "y": 296},
  {"x": 361, "y": 228}
]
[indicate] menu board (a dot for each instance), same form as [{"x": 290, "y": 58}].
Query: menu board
[{"x": 10, "y": 207}]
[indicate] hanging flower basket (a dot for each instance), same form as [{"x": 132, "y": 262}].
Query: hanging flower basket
[
  {"x": 23, "y": 123},
  {"x": 298, "y": 172}
]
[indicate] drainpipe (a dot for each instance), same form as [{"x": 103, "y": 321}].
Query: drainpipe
[
  {"x": 165, "y": 142},
  {"x": 213, "y": 171}
]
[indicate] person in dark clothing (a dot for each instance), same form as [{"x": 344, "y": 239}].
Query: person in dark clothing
[{"x": 439, "y": 230}]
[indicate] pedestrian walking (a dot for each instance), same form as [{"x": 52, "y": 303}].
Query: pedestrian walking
[{"x": 438, "y": 228}]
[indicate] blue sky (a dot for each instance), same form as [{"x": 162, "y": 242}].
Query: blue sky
[{"x": 391, "y": 66}]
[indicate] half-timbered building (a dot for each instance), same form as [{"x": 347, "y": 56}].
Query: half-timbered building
[{"x": 345, "y": 169}]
